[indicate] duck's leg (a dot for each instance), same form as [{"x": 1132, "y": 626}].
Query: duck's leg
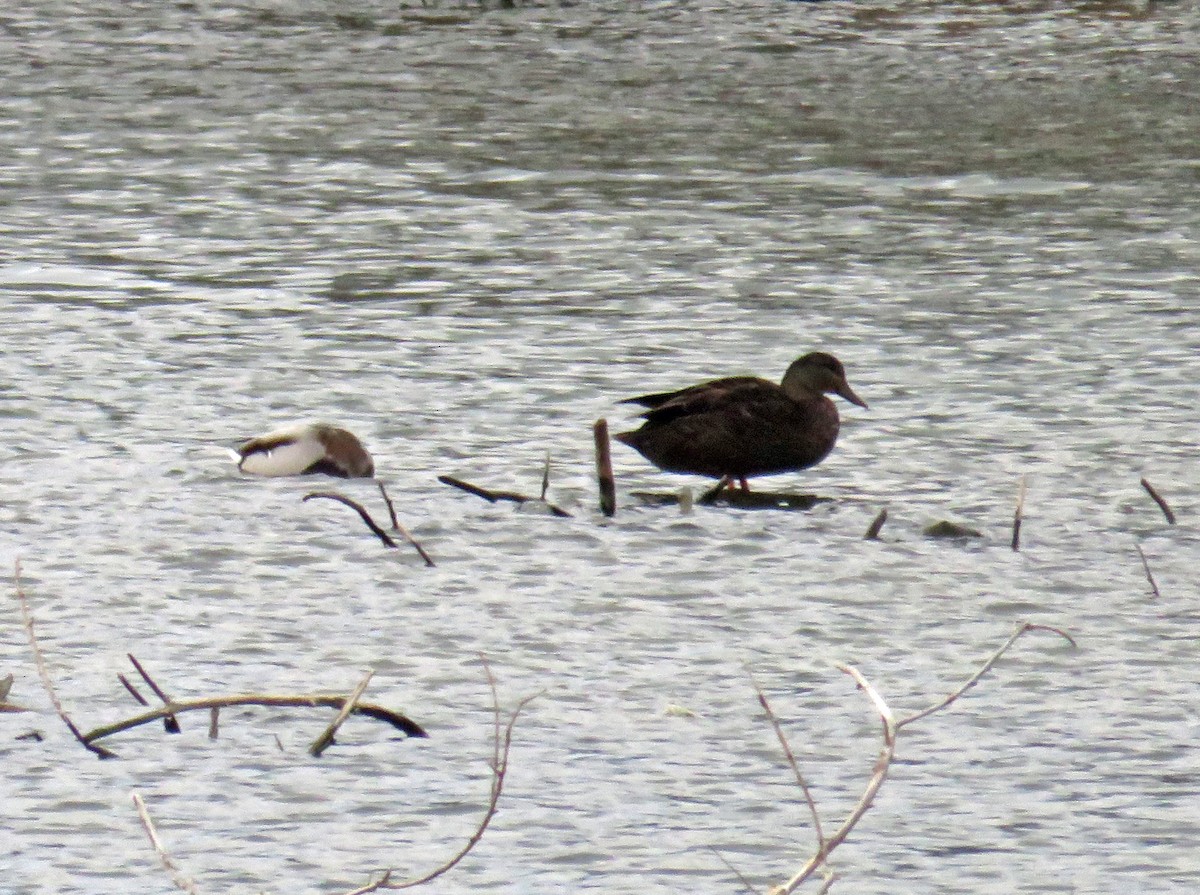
[{"x": 745, "y": 485}]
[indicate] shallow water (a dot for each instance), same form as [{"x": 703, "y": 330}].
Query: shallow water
[{"x": 465, "y": 233}]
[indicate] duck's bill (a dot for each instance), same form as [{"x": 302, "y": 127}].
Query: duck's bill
[{"x": 848, "y": 393}]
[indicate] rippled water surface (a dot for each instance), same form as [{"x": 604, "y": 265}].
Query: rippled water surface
[{"x": 465, "y": 233}]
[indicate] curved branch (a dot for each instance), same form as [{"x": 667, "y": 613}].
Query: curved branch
[
  {"x": 501, "y": 747},
  {"x": 1022, "y": 629},
  {"x": 358, "y": 508},
  {"x": 316, "y": 700}
]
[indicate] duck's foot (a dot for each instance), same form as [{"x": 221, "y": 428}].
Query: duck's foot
[{"x": 711, "y": 495}]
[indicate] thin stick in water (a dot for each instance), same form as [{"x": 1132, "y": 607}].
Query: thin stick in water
[
  {"x": 321, "y": 743},
  {"x": 1149, "y": 574},
  {"x": 1016, "y": 531},
  {"x": 170, "y": 722},
  {"x": 604, "y": 470},
  {"x": 181, "y": 881},
  {"x": 44, "y": 672}
]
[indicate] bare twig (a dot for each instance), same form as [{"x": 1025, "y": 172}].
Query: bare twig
[
  {"x": 1016, "y": 530},
  {"x": 1158, "y": 499},
  {"x": 545, "y": 478},
  {"x": 44, "y": 672},
  {"x": 181, "y": 881},
  {"x": 502, "y": 736},
  {"x": 876, "y": 526},
  {"x": 321, "y": 743},
  {"x": 316, "y": 700},
  {"x": 791, "y": 759},
  {"x": 1149, "y": 574},
  {"x": 170, "y": 723},
  {"x": 741, "y": 876},
  {"x": 891, "y": 731},
  {"x": 133, "y": 691},
  {"x": 604, "y": 468},
  {"x": 495, "y": 496}
]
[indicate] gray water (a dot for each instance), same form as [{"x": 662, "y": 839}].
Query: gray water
[{"x": 465, "y": 233}]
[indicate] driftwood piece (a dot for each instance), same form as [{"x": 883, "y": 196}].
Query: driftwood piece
[
  {"x": 502, "y": 737},
  {"x": 315, "y": 700},
  {"x": 497, "y": 496},
  {"x": 891, "y": 730}
]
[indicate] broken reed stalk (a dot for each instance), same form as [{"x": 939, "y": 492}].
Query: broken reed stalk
[
  {"x": 1158, "y": 499},
  {"x": 383, "y": 536},
  {"x": 325, "y": 740},
  {"x": 1016, "y": 530},
  {"x": 316, "y": 700},
  {"x": 1149, "y": 574},
  {"x": 876, "y": 526},
  {"x": 181, "y": 881},
  {"x": 496, "y": 496},
  {"x": 604, "y": 469},
  {"x": 891, "y": 730},
  {"x": 44, "y": 672},
  {"x": 170, "y": 723},
  {"x": 502, "y": 735}
]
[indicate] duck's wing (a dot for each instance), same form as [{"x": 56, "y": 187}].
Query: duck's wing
[
  {"x": 732, "y": 395},
  {"x": 280, "y": 453}
]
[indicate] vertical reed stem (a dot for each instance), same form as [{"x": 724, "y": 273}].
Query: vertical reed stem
[{"x": 604, "y": 470}]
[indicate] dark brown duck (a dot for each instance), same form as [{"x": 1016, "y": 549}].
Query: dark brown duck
[{"x": 744, "y": 426}]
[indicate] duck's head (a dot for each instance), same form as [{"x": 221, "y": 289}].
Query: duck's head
[{"x": 816, "y": 374}]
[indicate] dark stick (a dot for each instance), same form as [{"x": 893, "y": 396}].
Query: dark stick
[
  {"x": 604, "y": 470},
  {"x": 1016, "y": 531},
  {"x": 494, "y": 496},
  {"x": 546, "y": 477},
  {"x": 873, "y": 532},
  {"x": 1158, "y": 499},
  {"x": 170, "y": 722},
  {"x": 133, "y": 691},
  {"x": 1149, "y": 574}
]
